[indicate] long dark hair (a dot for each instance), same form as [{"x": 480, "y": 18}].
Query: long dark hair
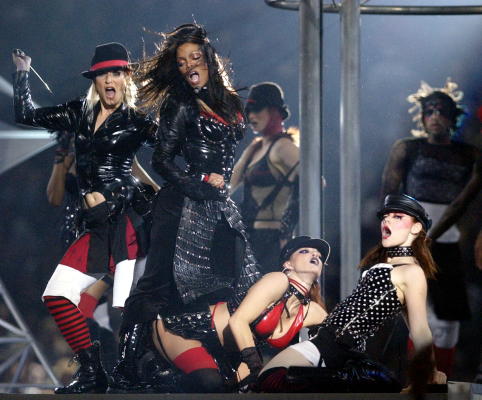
[
  {"x": 159, "y": 76},
  {"x": 421, "y": 252}
]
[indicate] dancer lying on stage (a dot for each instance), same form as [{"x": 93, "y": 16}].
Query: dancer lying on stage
[
  {"x": 395, "y": 280},
  {"x": 108, "y": 132},
  {"x": 209, "y": 343}
]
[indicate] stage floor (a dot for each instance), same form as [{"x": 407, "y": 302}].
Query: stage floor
[
  {"x": 456, "y": 391},
  {"x": 226, "y": 396}
]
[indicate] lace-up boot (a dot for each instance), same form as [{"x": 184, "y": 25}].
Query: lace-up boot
[{"x": 90, "y": 377}]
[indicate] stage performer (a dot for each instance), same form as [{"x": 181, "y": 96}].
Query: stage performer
[
  {"x": 446, "y": 176},
  {"x": 200, "y": 253},
  {"x": 394, "y": 281},
  {"x": 268, "y": 171},
  {"x": 215, "y": 348},
  {"x": 63, "y": 191},
  {"x": 108, "y": 131}
]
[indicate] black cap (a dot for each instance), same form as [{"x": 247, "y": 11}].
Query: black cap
[
  {"x": 407, "y": 205},
  {"x": 304, "y": 241},
  {"x": 266, "y": 94},
  {"x": 107, "y": 56}
]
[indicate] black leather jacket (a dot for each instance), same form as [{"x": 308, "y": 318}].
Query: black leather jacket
[
  {"x": 206, "y": 143},
  {"x": 104, "y": 160}
]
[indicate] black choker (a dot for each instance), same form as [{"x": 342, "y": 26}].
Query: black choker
[{"x": 399, "y": 251}]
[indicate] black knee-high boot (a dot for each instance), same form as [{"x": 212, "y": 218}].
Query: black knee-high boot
[
  {"x": 140, "y": 368},
  {"x": 124, "y": 377}
]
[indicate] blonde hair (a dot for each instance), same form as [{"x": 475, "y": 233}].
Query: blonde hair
[{"x": 129, "y": 99}]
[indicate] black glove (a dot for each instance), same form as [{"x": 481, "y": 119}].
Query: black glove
[{"x": 251, "y": 358}]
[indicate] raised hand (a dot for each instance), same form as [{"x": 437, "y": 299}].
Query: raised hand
[{"x": 21, "y": 60}]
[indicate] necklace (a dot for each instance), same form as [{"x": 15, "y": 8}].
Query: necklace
[
  {"x": 301, "y": 287},
  {"x": 399, "y": 251}
]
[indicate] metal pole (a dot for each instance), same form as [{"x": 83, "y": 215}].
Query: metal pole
[
  {"x": 310, "y": 117},
  {"x": 310, "y": 120},
  {"x": 386, "y": 10},
  {"x": 350, "y": 159}
]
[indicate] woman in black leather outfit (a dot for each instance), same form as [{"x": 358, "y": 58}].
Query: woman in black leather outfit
[
  {"x": 108, "y": 132},
  {"x": 394, "y": 281},
  {"x": 199, "y": 252}
]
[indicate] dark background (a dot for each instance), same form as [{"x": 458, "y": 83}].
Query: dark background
[{"x": 263, "y": 45}]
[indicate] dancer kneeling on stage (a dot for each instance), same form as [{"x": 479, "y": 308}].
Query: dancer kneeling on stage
[
  {"x": 394, "y": 281},
  {"x": 216, "y": 346},
  {"x": 108, "y": 131}
]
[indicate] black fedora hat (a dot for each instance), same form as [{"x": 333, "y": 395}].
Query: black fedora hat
[
  {"x": 408, "y": 205},
  {"x": 304, "y": 241},
  {"x": 107, "y": 56},
  {"x": 266, "y": 94}
]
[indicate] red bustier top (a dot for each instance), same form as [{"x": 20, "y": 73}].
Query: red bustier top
[{"x": 266, "y": 323}]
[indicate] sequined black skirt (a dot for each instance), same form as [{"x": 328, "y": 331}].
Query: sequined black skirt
[{"x": 199, "y": 253}]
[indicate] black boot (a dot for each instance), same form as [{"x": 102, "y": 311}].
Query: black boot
[
  {"x": 140, "y": 368},
  {"x": 90, "y": 377},
  {"x": 124, "y": 377}
]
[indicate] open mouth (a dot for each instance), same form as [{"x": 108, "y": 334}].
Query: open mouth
[
  {"x": 315, "y": 261},
  {"x": 386, "y": 232},
  {"x": 193, "y": 77},
  {"x": 110, "y": 92}
]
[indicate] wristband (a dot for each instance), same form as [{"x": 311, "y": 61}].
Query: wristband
[
  {"x": 204, "y": 178},
  {"x": 59, "y": 157}
]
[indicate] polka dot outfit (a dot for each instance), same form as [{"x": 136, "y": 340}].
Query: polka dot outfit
[{"x": 373, "y": 301}]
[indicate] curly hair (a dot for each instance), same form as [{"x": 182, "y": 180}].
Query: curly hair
[{"x": 160, "y": 78}]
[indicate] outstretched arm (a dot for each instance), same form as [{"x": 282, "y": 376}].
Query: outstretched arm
[{"x": 57, "y": 118}]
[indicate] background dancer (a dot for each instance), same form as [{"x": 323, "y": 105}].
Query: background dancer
[
  {"x": 445, "y": 176},
  {"x": 394, "y": 281},
  {"x": 108, "y": 131},
  {"x": 268, "y": 170}
]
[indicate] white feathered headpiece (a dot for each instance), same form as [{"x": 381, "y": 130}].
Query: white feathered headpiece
[{"x": 450, "y": 89}]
